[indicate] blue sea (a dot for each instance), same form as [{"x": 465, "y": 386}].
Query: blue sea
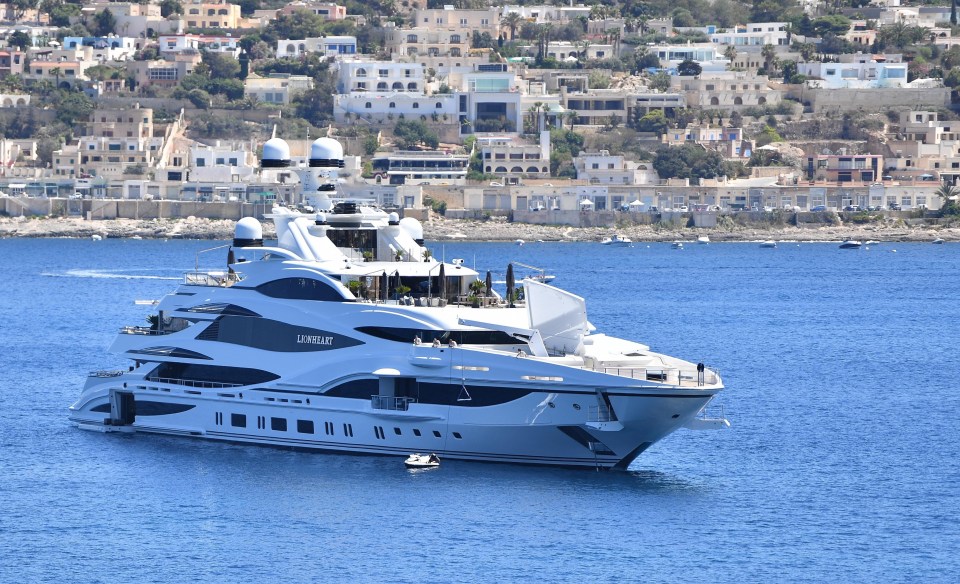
[{"x": 841, "y": 464}]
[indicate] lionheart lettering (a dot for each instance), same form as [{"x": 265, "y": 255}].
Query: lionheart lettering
[{"x": 314, "y": 340}]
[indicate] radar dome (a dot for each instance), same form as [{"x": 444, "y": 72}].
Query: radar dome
[
  {"x": 248, "y": 233},
  {"x": 326, "y": 152},
  {"x": 413, "y": 228},
  {"x": 276, "y": 154}
]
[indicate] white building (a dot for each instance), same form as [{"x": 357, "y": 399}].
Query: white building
[
  {"x": 221, "y": 163},
  {"x": 329, "y": 46},
  {"x": 112, "y": 48},
  {"x": 755, "y": 34},
  {"x": 278, "y": 88},
  {"x": 176, "y": 43},
  {"x": 861, "y": 71},
  {"x": 602, "y": 168}
]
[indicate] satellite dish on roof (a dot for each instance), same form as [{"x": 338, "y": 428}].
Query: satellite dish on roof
[{"x": 826, "y": 151}]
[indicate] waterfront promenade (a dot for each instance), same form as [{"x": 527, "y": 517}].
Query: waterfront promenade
[{"x": 442, "y": 229}]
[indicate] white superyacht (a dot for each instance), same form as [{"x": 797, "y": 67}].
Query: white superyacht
[{"x": 345, "y": 335}]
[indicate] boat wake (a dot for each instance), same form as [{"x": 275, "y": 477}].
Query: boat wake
[{"x": 109, "y": 274}]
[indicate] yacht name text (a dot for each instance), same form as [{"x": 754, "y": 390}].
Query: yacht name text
[{"x": 314, "y": 340}]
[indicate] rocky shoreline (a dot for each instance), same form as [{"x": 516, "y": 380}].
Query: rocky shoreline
[{"x": 442, "y": 229}]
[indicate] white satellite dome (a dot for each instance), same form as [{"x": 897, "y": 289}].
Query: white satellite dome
[
  {"x": 248, "y": 233},
  {"x": 413, "y": 227},
  {"x": 276, "y": 152},
  {"x": 326, "y": 152}
]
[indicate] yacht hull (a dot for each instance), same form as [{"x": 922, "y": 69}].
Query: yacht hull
[{"x": 542, "y": 428}]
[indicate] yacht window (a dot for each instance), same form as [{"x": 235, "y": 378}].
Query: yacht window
[
  {"x": 238, "y": 420},
  {"x": 405, "y": 335},
  {"x": 457, "y": 436},
  {"x": 416, "y": 432},
  {"x": 229, "y": 309},
  {"x": 437, "y": 434},
  {"x": 305, "y": 426},
  {"x": 210, "y": 375},
  {"x": 357, "y": 389},
  {"x": 397, "y": 431},
  {"x": 171, "y": 352},
  {"x": 278, "y": 424},
  {"x": 300, "y": 289}
]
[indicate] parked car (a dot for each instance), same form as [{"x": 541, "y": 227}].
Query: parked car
[
  {"x": 818, "y": 208},
  {"x": 895, "y": 207},
  {"x": 853, "y": 208}
]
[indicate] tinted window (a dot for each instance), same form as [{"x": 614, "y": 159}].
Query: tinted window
[
  {"x": 210, "y": 375},
  {"x": 406, "y": 335},
  {"x": 300, "y": 289},
  {"x": 357, "y": 389},
  {"x": 305, "y": 426},
  {"x": 278, "y": 424},
  {"x": 238, "y": 420}
]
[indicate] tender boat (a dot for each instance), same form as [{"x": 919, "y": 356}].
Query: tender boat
[
  {"x": 703, "y": 240},
  {"x": 938, "y": 241},
  {"x": 851, "y": 244},
  {"x": 677, "y": 245},
  {"x": 422, "y": 461},
  {"x": 345, "y": 335},
  {"x": 768, "y": 243},
  {"x": 617, "y": 241}
]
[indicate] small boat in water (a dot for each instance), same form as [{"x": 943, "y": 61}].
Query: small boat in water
[
  {"x": 703, "y": 240},
  {"x": 938, "y": 241},
  {"x": 871, "y": 242},
  {"x": 850, "y": 244},
  {"x": 768, "y": 243},
  {"x": 618, "y": 241},
  {"x": 422, "y": 461},
  {"x": 677, "y": 245}
]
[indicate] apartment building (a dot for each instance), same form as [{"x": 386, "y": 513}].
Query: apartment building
[
  {"x": 278, "y": 88},
  {"x": 511, "y": 157}
]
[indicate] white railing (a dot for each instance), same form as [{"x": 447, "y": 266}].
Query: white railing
[
  {"x": 392, "y": 403},
  {"x": 215, "y": 279},
  {"x": 599, "y": 413},
  {"x": 106, "y": 374},
  {"x": 193, "y": 382}
]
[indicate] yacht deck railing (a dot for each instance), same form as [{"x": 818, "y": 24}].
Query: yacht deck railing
[
  {"x": 392, "y": 403},
  {"x": 193, "y": 382}
]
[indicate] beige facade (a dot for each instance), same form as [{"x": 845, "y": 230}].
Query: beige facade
[
  {"x": 428, "y": 41},
  {"x": 201, "y": 14},
  {"x": 729, "y": 91}
]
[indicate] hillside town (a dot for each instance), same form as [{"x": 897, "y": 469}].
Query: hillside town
[{"x": 584, "y": 115}]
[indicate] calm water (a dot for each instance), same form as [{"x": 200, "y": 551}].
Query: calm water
[{"x": 841, "y": 464}]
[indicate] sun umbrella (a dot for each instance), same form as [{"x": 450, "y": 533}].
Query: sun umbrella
[
  {"x": 489, "y": 283},
  {"x": 231, "y": 259},
  {"x": 443, "y": 282},
  {"x": 510, "y": 284},
  {"x": 384, "y": 286}
]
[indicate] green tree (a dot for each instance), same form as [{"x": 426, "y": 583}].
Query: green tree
[
  {"x": 104, "y": 23},
  {"x": 412, "y": 133},
  {"x": 19, "y": 39},
  {"x": 221, "y": 65},
  {"x": 655, "y": 122},
  {"x": 688, "y": 161},
  {"x": 512, "y": 21},
  {"x": 59, "y": 11},
  {"x": 168, "y": 7},
  {"x": 660, "y": 81},
  {"x": 689, "y": 68},
  {"x": 768, "y": 135},
  {"x": 73, "y": 106}
]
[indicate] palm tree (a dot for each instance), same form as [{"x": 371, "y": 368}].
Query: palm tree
[
  {"x": 512, "y": 21},
  {"x": 730, "y": 53},
  {"x": 769, "y": 55},
  {"x": 56, "y": 73},
  {"x": 535, "y": 115},
  {"x": 546, "y": 110},
  {"x": 571, "y": 117}
]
